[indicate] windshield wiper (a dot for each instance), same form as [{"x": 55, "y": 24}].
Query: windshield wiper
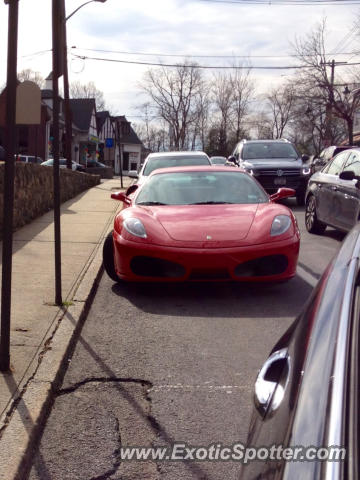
[
  {"x": 151, "y": 203},
  {"x": 212, "y": 202}
]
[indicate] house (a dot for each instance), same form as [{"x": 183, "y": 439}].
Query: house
[
  {"x": 85, "y": 141},
  {"x": 129, "y": 146},
  {"x": 106, "y": 134}
]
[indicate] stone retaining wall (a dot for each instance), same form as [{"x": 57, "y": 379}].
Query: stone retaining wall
[{"x": 34, "y": 190}]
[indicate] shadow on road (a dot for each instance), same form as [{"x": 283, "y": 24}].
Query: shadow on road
[{"x": 232, "y": 300}]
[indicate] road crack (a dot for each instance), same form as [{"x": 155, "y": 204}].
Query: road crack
[{"x": 74, "y": 387}]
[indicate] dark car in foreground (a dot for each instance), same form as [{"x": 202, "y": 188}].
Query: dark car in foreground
[
  {"x": 307, "y": 391},
  {"x": 274, "y": 164},
  {"x": 333, "y": 194}
]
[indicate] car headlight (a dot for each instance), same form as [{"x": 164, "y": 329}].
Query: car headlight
[
  {"x": 306, "y": 171},
  {"x": 280, "y": 224},
  {"x": 135, "y": 227}
]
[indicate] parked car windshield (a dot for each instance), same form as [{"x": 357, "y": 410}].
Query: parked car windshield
[
  {"x": 174, "y": 161},
  {"x": 268, "y": 150},
  {"x": 196, "y": 188},
  {"x": 218, "y": 160}
]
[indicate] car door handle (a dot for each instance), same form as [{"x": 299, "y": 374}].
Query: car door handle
[
  {"x": 335, "y": 188},
  {"x": 269, "y": 393},
  {"x": 319, "y": 185}
]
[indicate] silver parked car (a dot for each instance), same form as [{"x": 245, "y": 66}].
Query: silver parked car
[{"x": 168, "y": 159}]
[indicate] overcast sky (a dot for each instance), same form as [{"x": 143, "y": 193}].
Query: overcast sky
[{"x": 171, "y": 27}]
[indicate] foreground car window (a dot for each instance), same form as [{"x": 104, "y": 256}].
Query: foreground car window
[
  {"x": 269, "y": 150},
  {"x": 164, "y": 162},
  {"x": 200, "y": 188}
]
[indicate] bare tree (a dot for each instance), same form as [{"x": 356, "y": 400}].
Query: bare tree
[
  {"x": 324, "y": 83},
  {"x": 32, "y": 76},
  {"x": 222, "y": 98},
  {"x": 281, "y": 103},
  {"x": 242, "y": 91},
  {"x": 88, "y": 90},
  {"x": 173, "y": 93}
]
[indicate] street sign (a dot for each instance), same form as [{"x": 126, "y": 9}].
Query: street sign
[{"x": 28, "y": 104}]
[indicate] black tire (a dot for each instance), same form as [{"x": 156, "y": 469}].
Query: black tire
[
  {"x": 300, "y": 200},
  {"x": 108, "y": 257},
  {"x": 313, "y": 225}
]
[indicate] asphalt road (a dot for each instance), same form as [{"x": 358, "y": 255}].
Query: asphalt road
[{"x": 159, "y": 364}]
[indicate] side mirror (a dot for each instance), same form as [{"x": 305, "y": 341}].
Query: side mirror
[
  {"x": 131, "y": 189},
  {"x": 232, "y": 159},
  {"x": 282, "y": 193},
  {"x": 121, "y": 197},
  {"x": 133, "y": 174},
  {"x": 305, "y": 157},
  {"x": 347, "y": 175}
]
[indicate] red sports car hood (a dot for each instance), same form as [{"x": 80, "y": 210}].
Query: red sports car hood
[{"x": 201, "y": 223}]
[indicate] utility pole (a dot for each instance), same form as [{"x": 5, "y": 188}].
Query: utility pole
[
  {"x": 58, "y": 33},
  {"x": 330, "y": 103},
  {"x": 10, "y": 139},
  {"x": 68, "y": 113},
  {"x": 118, "y": 128}
]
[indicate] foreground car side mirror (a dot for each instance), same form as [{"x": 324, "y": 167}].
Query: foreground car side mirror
[
  {"x": 347, "y": 175},
  {"x": 282, "y": 193},
  {"x": 121, "y": 197}
]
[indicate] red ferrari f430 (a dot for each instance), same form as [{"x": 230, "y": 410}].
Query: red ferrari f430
[{"x": 202, "y": 223}]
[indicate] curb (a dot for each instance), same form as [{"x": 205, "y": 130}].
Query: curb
[{"x": 30, "y": 411}]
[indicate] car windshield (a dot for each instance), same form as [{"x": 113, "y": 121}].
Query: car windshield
[
  {"x": 218, "y": 160},
  {"x": 200, "y": 188},
  {"x": 263, "y": 150},
  {"x": 174, "y": 161}
]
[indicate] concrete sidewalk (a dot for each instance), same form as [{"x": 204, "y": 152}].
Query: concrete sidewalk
[{"x": 40, "y": 331}]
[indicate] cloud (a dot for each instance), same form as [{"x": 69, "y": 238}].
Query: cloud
[{"x": 178, "y": 27}]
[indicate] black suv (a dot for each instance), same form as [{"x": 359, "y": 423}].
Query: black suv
[{"x": 274, "y": 163}]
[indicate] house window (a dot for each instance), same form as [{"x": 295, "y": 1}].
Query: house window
[{"x": 125, "y": 160}]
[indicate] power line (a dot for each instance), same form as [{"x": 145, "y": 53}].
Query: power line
[
  {"x": 344, "y": 41},
  {"x": 288, "y": 67},
  {"x": 182, "y": 55}
]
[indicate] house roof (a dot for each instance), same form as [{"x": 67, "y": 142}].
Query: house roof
[
  {"x": 82, "y": 109},
  {"x": 131, "y": 137},
  {"x": 101, "y": 118}
]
